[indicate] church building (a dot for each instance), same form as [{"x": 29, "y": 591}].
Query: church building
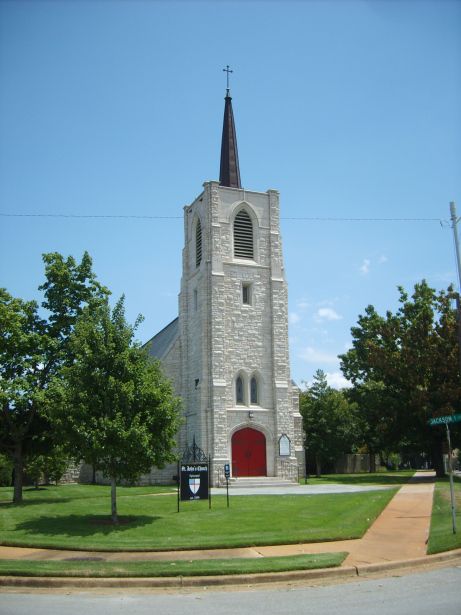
[{"x": 227, "y": 352}]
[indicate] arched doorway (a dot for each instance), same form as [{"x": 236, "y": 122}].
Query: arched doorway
[{"x": 249, "y": 453}]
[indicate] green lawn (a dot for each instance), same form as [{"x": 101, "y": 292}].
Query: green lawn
[
  {"x": 76, "y": 517},
  {"x": 365, "y": 478},
  {"x": 441, "y": 536},
  {"x": 169, "y": 568}
]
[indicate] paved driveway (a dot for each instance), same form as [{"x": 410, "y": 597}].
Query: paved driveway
[{"x": 298, "y": 489}]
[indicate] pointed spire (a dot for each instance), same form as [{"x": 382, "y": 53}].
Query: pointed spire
[{"x": 229, "y": 174}]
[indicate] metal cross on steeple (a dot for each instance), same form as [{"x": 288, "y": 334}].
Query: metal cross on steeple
[{"x": 227, "y": 70}]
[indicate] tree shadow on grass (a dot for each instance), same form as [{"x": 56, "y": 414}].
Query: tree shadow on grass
[
  {"x": 32, "y": 496},
  {"x": 69, "y": 526},
  {"x": 9, "y": 503}
]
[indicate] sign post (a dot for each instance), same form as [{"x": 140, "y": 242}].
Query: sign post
[
  {"x": 178, "y": 480},
  {"x": 446, "y": 420},
  {"x": 452, "y": 488},
  {"x": 227, "y": 476}
]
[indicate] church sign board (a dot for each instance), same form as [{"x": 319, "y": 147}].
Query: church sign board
[
  {"x": 194, "y": 481},
  {"x": 284, "y": 446}
]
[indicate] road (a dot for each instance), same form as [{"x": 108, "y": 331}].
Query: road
[{"x": 424, "y": 593}]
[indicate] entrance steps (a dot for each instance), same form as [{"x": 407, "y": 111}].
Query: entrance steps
[{"x": 251, "y": 482}]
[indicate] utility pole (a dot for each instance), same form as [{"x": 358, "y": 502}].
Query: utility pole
[{"x": 454, "y": 223}]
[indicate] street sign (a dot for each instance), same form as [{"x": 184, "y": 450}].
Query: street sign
[{"x": 445, "y": 420}]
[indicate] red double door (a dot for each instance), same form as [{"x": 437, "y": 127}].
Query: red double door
[{"x": 248, "y": 453}]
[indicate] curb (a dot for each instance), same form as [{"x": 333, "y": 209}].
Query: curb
[
  {"x": 344, "y": 572},
  {"x": 178, "y": 582},
  {"x": 419, "y": 562}
]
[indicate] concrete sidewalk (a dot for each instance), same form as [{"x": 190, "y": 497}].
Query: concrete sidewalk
[{"x": 399, "y": 533}]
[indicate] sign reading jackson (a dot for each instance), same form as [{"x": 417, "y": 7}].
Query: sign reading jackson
[{"x": 194, "y": 481}]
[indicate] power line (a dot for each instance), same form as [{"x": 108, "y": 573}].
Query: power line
[
  {"x": 145, "y": 217},
  {"x": 129, "y": 216},
  {"x": 331, "y": 219}
]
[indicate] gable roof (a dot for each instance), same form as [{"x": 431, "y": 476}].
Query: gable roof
[{"x": 158, "y": 345}]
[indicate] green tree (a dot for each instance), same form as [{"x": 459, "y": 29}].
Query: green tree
[
  {"x": 33, "y": 348},
  {"x": 47, "y": 466},
  {"x": 6, "y": 470},
  {"x": 329, "y": 422},
  {"x": 408, "y": 361},
  {"x": 114, "y": 405},
  {"x": 378, "y": 418}
]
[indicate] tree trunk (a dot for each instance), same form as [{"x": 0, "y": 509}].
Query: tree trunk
[
  {"x": 18, "y": 473},
  {"x": 113, "y": 497},
  {"x": 318, "y": 466},
  {"x": 93, "y": 478},
  {"x": 437, "y": 456},
  {"x": 372, "y": 462}
]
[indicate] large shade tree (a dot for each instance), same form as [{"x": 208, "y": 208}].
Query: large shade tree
[
  {"x": 405, "y": 366},
  {"x": 378, "y": 419},
  {"x": 33, "y": 348},
  {"x": 114, "y": 405},
  {"x": 329, "y": 422}
]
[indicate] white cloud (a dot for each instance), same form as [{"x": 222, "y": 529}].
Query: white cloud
[
  {"x": 303, "y": 304},
  {"x": 382, "y": 259},
  {"x": 365, "y": 266},
  {"x": 327, "y": 313},
  {"x": 337, "y": 380},
  {"x": 312, "y": 355},
  {"x": 294, "y": 318}
]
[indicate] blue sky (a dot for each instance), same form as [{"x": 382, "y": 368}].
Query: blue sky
[{"x": 351, "y": 109}]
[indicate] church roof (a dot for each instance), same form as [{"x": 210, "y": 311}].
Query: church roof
[
  {"x": 229, "y": 173},
  {"x": 160, "y": 343}
]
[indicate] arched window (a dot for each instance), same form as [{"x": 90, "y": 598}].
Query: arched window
[
  {"x": 239, "y": 390},
  {"x": 253, "y": 391},
  {"x": 198, "y": 243},
  {"x": 243, "y": 235}
]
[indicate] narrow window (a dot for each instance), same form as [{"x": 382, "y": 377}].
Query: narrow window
[
  {"x": 246, "y": 293},
  {"x": 239, "y": 390},
  {"x": 254, "y": 391},
  {"x": 195, "y": 300},
  {"x": 198, "y": 243},
  {"x": 243, "y": 235}
]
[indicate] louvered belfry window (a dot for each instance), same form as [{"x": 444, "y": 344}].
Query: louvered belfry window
[
  {"x": 243, "y": 235},
  {"x": 198, "y": 244}
]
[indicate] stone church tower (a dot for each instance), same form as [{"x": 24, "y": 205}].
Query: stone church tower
[{"x": 227, "y": 353}]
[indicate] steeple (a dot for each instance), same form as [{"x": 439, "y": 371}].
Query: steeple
[{"x": 229, "y": 173}]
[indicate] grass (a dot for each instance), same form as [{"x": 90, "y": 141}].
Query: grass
[
  {"x": 75, "y": 491},
  {"x": 76, "y": 517},
  {"x": 441, "y": 536},
  {"x": 365, "y": 478},
  {"x": 169, "y": 568}
]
